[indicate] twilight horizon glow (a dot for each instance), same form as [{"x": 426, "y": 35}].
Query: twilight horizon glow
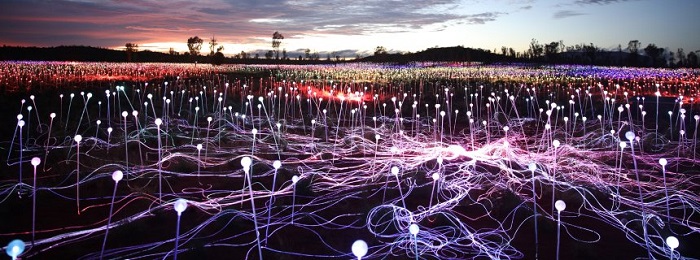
[{"x": 349, "y": 28}]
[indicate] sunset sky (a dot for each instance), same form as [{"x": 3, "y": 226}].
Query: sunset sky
[{"x": 349, "y": 26}]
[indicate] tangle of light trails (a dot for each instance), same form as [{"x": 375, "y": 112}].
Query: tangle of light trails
[{"x": 461, "y": 138}]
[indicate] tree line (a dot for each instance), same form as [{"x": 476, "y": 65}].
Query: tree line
[
  {"x": 654, "y": 56},
  {"x": 555, "y": 52}
]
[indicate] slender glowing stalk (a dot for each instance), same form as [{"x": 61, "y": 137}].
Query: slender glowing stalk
[
  {"x": 561, "y": 205},
  {"x": 246, "y": 163},
  {"x": 295, "y": 179},
  {"x": 77, "y": 140},
  {"x": 158, "y": 122},
  {"x": 276, "y": 165},
  {"x": 532, "y": 167},
  {"x": 35, "y": 162},
  {"x": 116, "y": 176},
  {"x": 179, "y": 206},
  {"x": 414, "y": 229}
]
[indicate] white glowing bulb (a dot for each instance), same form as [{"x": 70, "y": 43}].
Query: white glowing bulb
[
  {"x": 395, "y": 170},
  {"x": 560, "y": 205},
  {"x": 36, "y": 161},
  {"x": 672, "y": 242},
  {"x": 276, "y": 164},
  {"x": 117, "y": 175},
  {"x": 246, "y": 162},
  {"x": 413, "y": 229},
  {"x": 532, "y": 167},
  {"x": 180, "y": 206},
  {"x": 359, "y": 248}
]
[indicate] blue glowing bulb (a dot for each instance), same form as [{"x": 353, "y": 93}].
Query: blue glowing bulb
[{"x": 16, "y": 247}]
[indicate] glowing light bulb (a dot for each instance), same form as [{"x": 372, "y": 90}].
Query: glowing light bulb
[
  {"x": 395, "y": 170},
  {"x": 117, "y": 175},
  {"x": 180, "y": 206},
  {"x": 359, "y": 248},
  {"x": 16, "y": 248},
  {"x": 413, "y": 229},
  {"x": 663, "y": 161},
  {"x": 36, "y": 161},
  {"x": 276, "y": 164},
  {"x": 560, "y": 205},
  {"x": 672, "y": 242},
  {"x": 246, "y": 162}
]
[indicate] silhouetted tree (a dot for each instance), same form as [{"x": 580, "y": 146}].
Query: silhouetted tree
[
  {"x": 633, "y": 48},
  {"x": 536, "y": 48},
  {"x": 130, "y": 49},
  {"x": 212, "y": 45},
  {"x": 269, "y": 55},
  {"x": 284, "y": 54},
  {"x": 562, "y": 47},
  {"x": 276, "y": 41},
  {"x": 504, "y": 50},
  {"x": 218, "y": 58},
  {"x": 194, "y": 44},
  {"x": 307, "y": 54},
  {"x": 680, "y": 53},
  {"x": 692, "y": 59},
  {"x": 591, "y": 51},
  {"x": 172, "y": 51},
  {"x": 380, "y": 50},
  {"x": 551, "y": 50},
  {"x": 655, "y": 54}
]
